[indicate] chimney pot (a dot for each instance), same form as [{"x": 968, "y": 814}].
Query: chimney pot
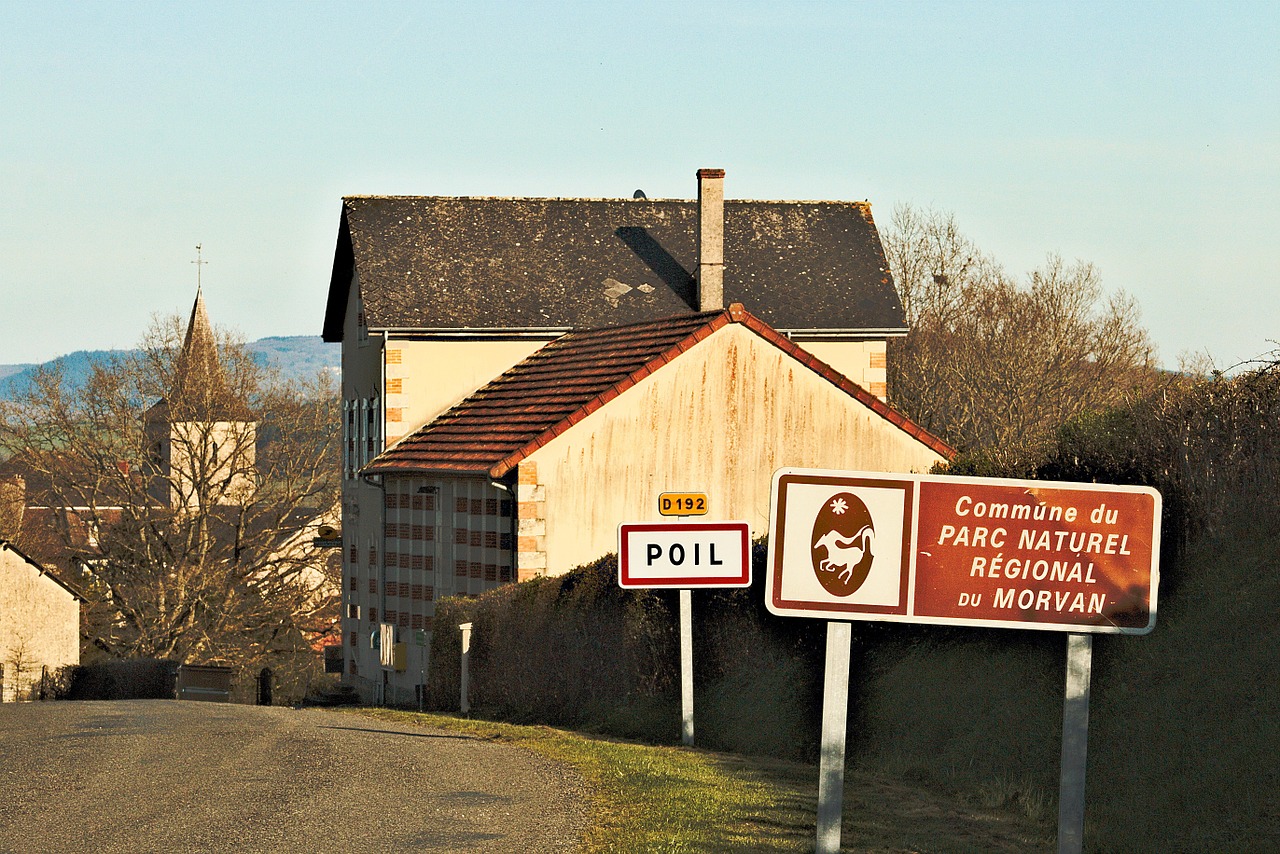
[{"x": 710, "y": 239}]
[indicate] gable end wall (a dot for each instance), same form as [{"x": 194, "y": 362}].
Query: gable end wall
[{"x": 720, "y": 419}]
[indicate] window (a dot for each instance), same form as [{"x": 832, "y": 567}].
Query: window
[
  {"x": 373, "y": 434},
  {"x": 349, "y": 438}
]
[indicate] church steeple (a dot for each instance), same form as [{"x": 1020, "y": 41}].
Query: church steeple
[
  {"x": 200, "y": 387},
  {"x": 201, "y": 436}
]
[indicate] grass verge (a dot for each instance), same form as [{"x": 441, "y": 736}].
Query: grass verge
[{"x": 673, "y": 799}]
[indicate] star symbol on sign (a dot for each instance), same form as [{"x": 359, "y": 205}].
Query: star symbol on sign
[{"x": 839, "y": 506}]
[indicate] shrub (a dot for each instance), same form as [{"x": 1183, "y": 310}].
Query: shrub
[
  {"x": 577, "y": 650},
  {"x": 124, "y": 679}
]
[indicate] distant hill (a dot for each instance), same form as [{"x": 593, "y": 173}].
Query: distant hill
[{"x": 297, "y": 357}]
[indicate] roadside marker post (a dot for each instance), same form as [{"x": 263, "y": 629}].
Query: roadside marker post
[
  {"x": 464, "y": 702},
  {"x": 683, "y": 555},
  {"x": 1079, "y": 558}
]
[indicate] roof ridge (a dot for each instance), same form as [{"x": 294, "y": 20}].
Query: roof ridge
[{"x": 653, "y": 199}]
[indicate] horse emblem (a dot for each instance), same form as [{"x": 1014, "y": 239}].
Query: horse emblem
[{"x": 841, "y": 546}]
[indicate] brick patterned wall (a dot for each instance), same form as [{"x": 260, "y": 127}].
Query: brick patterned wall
[{"x": 531, "y": 511}]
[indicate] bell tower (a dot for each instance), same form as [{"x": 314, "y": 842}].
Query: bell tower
[{"x": 201, "y": 436}]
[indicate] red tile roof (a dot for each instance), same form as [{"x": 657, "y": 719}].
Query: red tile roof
[{"x": 491, "y": 431}]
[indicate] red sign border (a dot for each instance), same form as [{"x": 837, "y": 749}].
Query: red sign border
[{"x": 742, "y": 579}]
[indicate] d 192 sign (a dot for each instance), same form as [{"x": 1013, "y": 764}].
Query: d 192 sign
[
  {"x": 1077, "y": 557},
  {"x": 684, "y": 554}
]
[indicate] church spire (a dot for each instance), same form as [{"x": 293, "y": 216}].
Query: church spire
[{"x": 200, "y": 388}]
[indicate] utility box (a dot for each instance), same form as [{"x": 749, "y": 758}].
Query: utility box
[
  {"x": 209, "y": 683},
  {"x": 400, "y": 657}
]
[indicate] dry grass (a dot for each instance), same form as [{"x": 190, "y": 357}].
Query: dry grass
[{"x": 672, "y": 799}]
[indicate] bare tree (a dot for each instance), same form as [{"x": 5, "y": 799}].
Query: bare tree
[
  {"x": 995, "y": 365},
  {"x": 180, "y": 480}
]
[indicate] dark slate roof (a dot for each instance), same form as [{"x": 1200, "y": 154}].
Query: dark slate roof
[
  {"x": 430, "y": 262},
  {"x": 572, "y": 377}
]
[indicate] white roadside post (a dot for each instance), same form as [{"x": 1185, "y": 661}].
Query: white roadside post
[
  {"x": 683, "y": 555},
  {"x": 464, "y": 702},
  {"x": 1081, "y": 558}
]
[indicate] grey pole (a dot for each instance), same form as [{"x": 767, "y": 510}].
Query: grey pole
[
  {"x": 686, "y": 666},
  {"x": 464, "y": 704},
  {"x": 1075, "y": 744},
  {"x": 835, "y": 707}
]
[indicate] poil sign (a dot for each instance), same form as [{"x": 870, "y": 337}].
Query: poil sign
[
  {"x": 684, "y": 554},
  {"x": 1077, "y": 557}
]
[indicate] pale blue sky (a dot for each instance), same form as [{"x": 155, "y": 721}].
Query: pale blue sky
[{"x": 1142, "y": 137}]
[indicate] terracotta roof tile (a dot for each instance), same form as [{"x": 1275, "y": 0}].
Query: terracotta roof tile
[{"x": 573, "y": 376}]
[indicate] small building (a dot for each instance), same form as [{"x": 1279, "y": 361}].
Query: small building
[
  {"x": 39, "y": 625},
  {"x": 532, "y": 473}
]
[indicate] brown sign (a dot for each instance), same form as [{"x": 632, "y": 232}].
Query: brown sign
[{"x": 964, "y": 551}]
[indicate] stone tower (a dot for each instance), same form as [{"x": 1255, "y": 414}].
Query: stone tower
[{"x": 201, "y": 435}]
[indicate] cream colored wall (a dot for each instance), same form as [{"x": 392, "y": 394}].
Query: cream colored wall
[
  {"x": 39, "y": 625},
  {"x": 720, "y": 419},
  {"x": 190, "y": 458},
  {"x": 864, "y": 362},
  {"x": 433, "y": 375}
]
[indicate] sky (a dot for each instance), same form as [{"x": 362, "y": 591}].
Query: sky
[{"x": 1141, "y": 137}]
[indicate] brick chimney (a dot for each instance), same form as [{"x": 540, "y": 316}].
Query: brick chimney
[{"x": 710, "y": 239}]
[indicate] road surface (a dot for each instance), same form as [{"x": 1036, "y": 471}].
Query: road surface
[{"x": 164, "y": 775}]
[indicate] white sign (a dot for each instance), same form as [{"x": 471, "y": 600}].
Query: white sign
[{"x": 684, "y": 554}]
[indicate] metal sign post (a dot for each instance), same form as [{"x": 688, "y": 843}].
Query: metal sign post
[
  {"x": 683, "y": 555},
  {"x": 1075, "y": 744},
  {"x": 835, "y": 709},
  {"x": 686, "y": 667}
]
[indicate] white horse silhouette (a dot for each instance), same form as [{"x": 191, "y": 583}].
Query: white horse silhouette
[{"x": 845, "y": 553}]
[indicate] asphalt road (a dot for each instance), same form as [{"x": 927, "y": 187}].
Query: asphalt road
[{"x": 164, "y": 775}]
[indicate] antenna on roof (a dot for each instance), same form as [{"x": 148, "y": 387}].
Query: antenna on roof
[
  {"x": 199, "y": 262},
  {"x": 639, "y": 194}
]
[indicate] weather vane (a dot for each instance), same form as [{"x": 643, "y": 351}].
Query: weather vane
[{"x": 199, "y": 262}]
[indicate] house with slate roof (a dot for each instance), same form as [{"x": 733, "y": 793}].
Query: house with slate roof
[{"x": 521, "y": 375}]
